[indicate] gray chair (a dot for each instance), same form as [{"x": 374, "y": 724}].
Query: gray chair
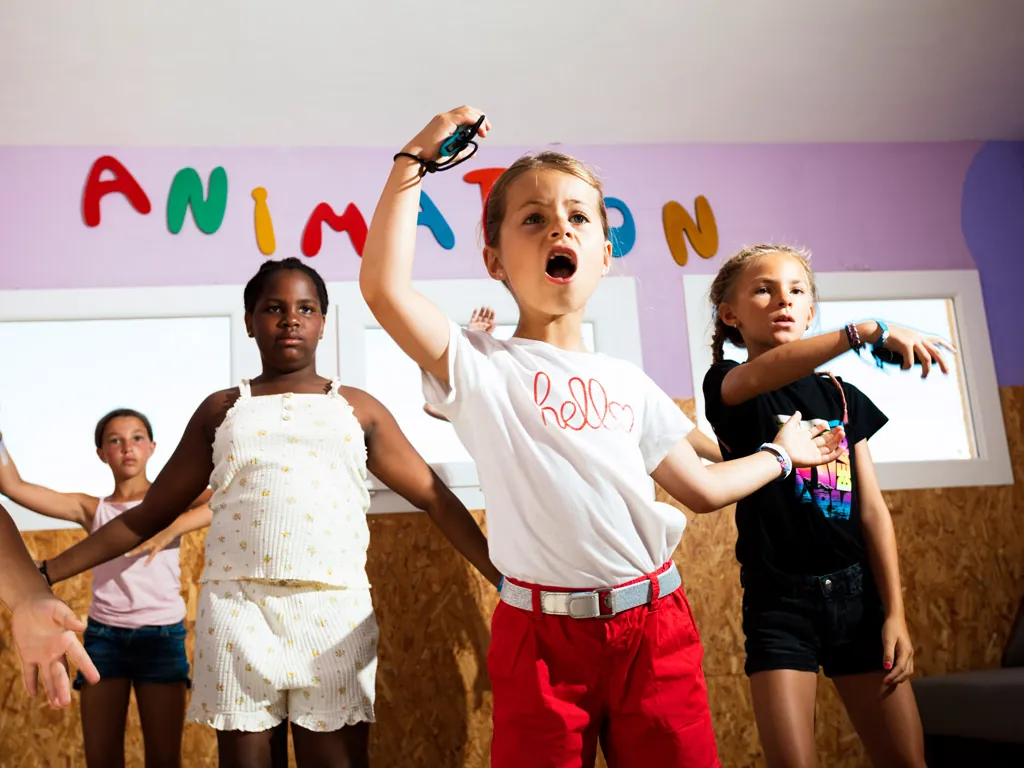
[{"x": 976, "y": 718}]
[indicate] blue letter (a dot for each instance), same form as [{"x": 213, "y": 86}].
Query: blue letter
[
  {"x": 432, "y": 219},
  {"x": 623, "y": 238}
]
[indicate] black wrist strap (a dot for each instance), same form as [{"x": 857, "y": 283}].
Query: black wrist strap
[
  {"x": 433, "y": 166},
  {"x": 42, "y": 570}
]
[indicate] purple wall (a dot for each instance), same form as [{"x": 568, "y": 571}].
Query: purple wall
[
  {"x": 858, "y": 207},
  {"x": 993, "y": 224}
]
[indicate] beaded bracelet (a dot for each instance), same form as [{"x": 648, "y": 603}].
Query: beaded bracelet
[
  {"x": 782, "y": 455},
  {"x": 853, "y": 336}
]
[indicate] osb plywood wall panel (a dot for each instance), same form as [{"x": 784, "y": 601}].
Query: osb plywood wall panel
[{"x": 962, "y": 554}]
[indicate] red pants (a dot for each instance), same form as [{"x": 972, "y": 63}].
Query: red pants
[{"x": 634, "y": 681}]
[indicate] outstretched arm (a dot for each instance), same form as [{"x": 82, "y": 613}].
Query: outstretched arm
[
  {"x": 416, "y": 324},
  {"x": 705, "y": 447},
  {"x": 182, "y": 480},
  {"x": 393, "y": 460},
  {"x": 706, "y": 489},
  {"x": 43, "y": 627},
  {"x": 789, "y": 362},
  {"x": 74, "y": 507},
  {"x": 195, "y": 519}
]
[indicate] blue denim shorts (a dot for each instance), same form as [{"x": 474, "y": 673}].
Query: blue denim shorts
[{"x": 142, "y": 655}]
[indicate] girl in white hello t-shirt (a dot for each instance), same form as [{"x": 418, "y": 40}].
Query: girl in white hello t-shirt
[{"x": 593, "y": 635}]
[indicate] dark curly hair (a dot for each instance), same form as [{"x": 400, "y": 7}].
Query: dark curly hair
[{"x": 255, "y": 287}]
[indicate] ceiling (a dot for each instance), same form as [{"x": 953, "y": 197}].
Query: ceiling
[{"x": 263, "y": 72}]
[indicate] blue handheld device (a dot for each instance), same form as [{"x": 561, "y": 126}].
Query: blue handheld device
[{"x": 461, "y": 139}]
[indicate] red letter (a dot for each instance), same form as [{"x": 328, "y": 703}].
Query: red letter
[
  {"x": 122, "y": 182},
  {"x": 485, "y": 177},
  {"x": 578, "y": 390},
  {"x": 542, "y": 379},
  {"x": 350, "y": 221}
]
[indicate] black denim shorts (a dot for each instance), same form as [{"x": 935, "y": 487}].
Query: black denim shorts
[{"x": 806, "y": 622}]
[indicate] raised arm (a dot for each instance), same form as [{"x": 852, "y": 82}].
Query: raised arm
[
  {"x": 180, "y": 482},
  {"x": 416, "y": 324},
  {"x": 792, "y": 361},
  {"x": 393, "y": 460},
  {"x": 42, "y": 626},
  {"x": 77, "y": 508},
  {"x": 706, "y": 489}
]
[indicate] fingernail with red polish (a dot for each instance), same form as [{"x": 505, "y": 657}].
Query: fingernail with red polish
[{"x": 888, "y": 665}]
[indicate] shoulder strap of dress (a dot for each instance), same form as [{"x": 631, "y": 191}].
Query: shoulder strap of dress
[
  {"x": 335, "y": 383},
  {"x": 244, "y": 391}
]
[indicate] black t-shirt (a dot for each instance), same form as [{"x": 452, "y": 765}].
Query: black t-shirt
[{"x": 808, "y": 523}]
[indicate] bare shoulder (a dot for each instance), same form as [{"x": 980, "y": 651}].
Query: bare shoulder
[
  {"x": 211, "y": 412},
  {"x": 367, "y": 408}
]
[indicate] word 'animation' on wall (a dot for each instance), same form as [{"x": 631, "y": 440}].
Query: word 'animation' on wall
[{"x": 208, "y": 207}]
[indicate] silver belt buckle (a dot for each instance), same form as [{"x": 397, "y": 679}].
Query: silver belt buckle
[{"x": 591, "y": 605}]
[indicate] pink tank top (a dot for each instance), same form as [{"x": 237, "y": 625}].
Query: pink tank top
[{"x": 130, "y": 594}]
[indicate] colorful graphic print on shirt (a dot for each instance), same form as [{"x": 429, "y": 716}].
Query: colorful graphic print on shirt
[{"x": 827, "y": 486}]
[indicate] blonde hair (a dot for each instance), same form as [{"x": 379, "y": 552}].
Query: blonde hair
[
  {"x": 725, "y": 280},
  {"x": 494, "y": 208}
]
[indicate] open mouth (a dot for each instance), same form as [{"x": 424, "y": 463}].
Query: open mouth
[
  {"x": 784, "y": 320},
  {"x": 561, "y": 265}
]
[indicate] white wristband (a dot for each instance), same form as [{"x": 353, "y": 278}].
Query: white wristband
[{"x": 782, "y": 455}]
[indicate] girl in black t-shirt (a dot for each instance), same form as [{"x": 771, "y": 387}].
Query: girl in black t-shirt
[{"x": 817, "y": 550}]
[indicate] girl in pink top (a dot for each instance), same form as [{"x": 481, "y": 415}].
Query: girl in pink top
[{"x": 136, "y": 632}]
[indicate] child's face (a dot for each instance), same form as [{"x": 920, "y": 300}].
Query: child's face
[
  {"x": 287, "y": 322},
  {"x": 126, "y": 447},
  {"x": 771, "y": 302},
  {"x": 552, "y": 248}
]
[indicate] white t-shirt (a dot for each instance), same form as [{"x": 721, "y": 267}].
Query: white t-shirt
[{"x": 564, "y": 443}]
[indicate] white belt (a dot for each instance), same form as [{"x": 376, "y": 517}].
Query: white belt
[{"x": 595, "y": 603}]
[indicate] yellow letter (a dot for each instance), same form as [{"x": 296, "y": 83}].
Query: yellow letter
[{"x": 264, "y": 224}]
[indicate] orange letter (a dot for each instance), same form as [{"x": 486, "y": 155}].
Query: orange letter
[
  {"x": 703, "y": 233},
  {"x": 123, "y": 182}
]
